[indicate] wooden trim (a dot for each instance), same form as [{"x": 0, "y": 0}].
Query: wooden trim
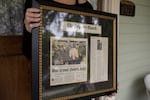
[
  {"x": 110, "y": 6},
  {"x": 10, "y": 45},
  {"x": 99, "y": 4}
]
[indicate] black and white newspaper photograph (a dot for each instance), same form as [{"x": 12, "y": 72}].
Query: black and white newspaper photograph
[{"x": 68, "y": 60}]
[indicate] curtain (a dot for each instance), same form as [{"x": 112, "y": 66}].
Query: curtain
[{"x": 11, "y": 17}]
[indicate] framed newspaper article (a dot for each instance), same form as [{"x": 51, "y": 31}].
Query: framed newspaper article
[{"x": 74, "y": 54}]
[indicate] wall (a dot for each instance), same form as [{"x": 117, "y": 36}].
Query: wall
[{"x": 134, "y": 52}]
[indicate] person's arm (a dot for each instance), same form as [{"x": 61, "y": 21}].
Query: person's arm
[{"x": 31, "y": 17}]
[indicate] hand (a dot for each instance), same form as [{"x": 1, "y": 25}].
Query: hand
[
  {"x": 114, "y": 93},
  {"x": 32, "y": 18}
]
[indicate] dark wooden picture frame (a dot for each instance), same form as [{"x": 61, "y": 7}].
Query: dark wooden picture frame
[{"x": 41, "y": 89}]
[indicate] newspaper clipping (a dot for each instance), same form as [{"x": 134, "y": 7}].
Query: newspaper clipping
[
  {"x": 99, "y": 59},
  {"x": 68, "y": 57},
  {"x": 80, "y": 27}
]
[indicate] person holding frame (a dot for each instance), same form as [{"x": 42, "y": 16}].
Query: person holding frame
[{"x": 32, "y": 20}]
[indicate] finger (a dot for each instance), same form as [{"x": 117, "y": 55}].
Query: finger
[
  {"x": 32, "y": 20},
  {"x": 112, "y": 94},
  {"x": 34, "y": 10},
  {"x": 36, "y": 20},
  {"x": 34, "y": 15},
  {"x": 33, "y": 25},
  {"x": 28, "y": 15}
]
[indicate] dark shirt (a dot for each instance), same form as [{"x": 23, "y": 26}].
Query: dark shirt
[{"x": 27, "y": 42}]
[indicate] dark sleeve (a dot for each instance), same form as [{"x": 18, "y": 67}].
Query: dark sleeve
[
  {"x": 27, "y": 44},
  {"x": 88, "y": 6}
]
